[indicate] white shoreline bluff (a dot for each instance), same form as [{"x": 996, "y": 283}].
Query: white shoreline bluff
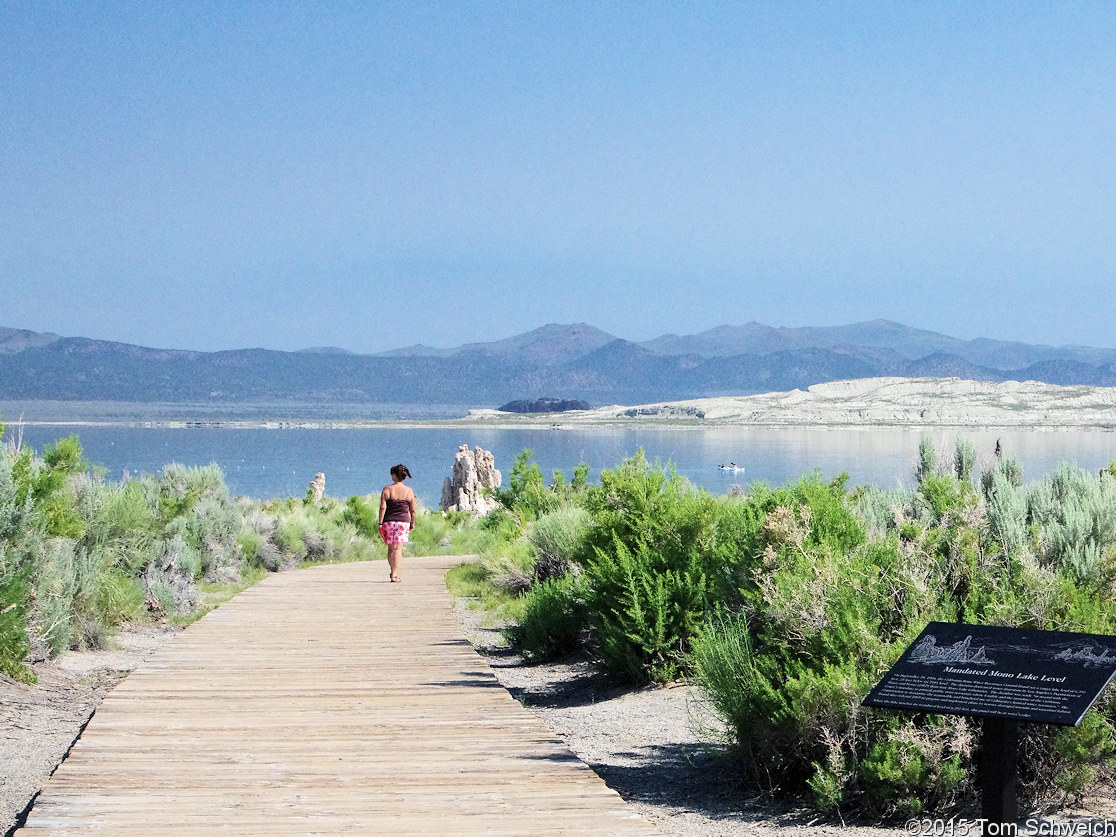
[{"x": 867, "y": 403}]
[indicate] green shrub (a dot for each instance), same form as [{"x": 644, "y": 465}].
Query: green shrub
[
  {"x": 364, "y": 515},
  {"x": 19, "y": 523},
  {"x": 1007, "y": 514},
  {"x": 43, "y": 482},
  {"x": 78, "y": 556},
  {"x": 645, "y": 611},
  {"x": 673, "y": 551},
  {"x": 652, "y": 538},
  {"x": 55, "y": 584},
  {"x": 1080, "y": 751},
  {"x": 526, "y": 491},
  {"x": 171, "y": 575},
  {"x": 832, "y": 522},
  {"x": 307, "y": 533},
  {"x": 501, "y": 524},
  {"x": 14, "y": 645},
  {"x": 927, "y": 465},
  {"x": 81, "y": 586},
  {"x": 878, "y": 509},
  {"x": 212, "y": 530},
  {"x": 434, "y": 534},
  {"x": 943, "y": 495},
  {"x": 964, "y": 460},
  {"x": 1076, "y": 513},
  {"x": 827, "y": 615},
  {"x": 289, "y": 534},
  {"x": 251, "y": 547},
  {"x": 352, "y": 546},
  {"x": 553, "y": 622},
  {"x": 119, "y": 598},
  {"x": 469, "y": 535},
  {"x": 724, "y": 667},
  {"x": 123, "y": 519},
  {"x": 161, "y": 595},
  {"x": 510, "y": 565},
  {"x": 632, "y": 505},
  {"x": 472, "y": 580},
  {"x": 104, "y": 597},
  {"x": 177, "y": 491},
  {"x": 1006, "y": 466},
  {"x": 256, "y": 546},
  {"x": 911, "y": 773},
  {"x": 787, "y": 683},
  {"x": 558, "y": 537}
]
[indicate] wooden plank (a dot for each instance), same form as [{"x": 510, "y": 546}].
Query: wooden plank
[{"x": 324, "y": 701}]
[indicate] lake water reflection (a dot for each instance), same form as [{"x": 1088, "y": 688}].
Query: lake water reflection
[{"x": 275, "y": 463}]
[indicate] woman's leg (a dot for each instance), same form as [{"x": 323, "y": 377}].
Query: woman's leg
[{"x": 395, "y": 552}]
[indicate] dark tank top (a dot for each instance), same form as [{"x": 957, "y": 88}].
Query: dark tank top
[{"x": 398, "y": 510}]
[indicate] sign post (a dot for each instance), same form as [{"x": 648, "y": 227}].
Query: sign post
[
  {"x": 1000, "y": 742},
  {"x": 1003, "y": 675}
]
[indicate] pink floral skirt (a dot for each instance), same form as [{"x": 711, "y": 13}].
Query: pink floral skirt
[{"x": 394, "y": 531}]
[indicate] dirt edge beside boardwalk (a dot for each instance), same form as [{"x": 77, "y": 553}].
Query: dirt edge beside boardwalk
[
  {"x": 39, "y": 723},
  {"x": 659, "y": 749}
]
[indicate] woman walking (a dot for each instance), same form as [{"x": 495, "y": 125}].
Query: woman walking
[{"x": 397, "y": 516}]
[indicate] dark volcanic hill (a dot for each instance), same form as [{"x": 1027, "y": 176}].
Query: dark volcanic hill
[{"x": 557, "y": 361}]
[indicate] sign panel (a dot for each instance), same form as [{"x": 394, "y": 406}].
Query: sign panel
[{"x": 1049, "y": 677}]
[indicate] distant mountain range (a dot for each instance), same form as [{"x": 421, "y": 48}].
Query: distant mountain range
[{"x": 556, "y": 361}]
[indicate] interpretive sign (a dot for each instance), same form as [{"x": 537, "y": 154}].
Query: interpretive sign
[
  {"x": 1049, "y": 677},
  {"x": 1003, "y": 675}
]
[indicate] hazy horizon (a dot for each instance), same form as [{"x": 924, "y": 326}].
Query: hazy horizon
[{"x": 500, "y": 337}]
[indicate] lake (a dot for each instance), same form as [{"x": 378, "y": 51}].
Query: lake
[{"x": 267, "y": 463}]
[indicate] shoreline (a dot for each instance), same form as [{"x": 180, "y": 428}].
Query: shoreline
[
  {"x": 868, "y": 404},
  {"x": 1106, "y": 426}
]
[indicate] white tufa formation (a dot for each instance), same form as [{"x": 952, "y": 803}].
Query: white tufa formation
[
  {"x": 474, "y": 478},
  {"x": 317, "y": 487}
]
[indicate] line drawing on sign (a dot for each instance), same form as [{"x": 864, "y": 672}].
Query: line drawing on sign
[
  {"x": 1087, "y": 656},
  {"x": 928, "y": 652}
]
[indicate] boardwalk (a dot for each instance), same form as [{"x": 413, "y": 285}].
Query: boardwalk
[{"x": 324, "y": 701}]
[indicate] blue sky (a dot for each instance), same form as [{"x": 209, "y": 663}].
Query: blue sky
[{"x": 224, "y": 175}]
